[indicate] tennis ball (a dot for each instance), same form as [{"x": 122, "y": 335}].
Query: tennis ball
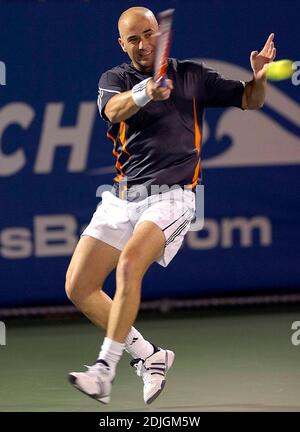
[{"x": 280, "y": 70}]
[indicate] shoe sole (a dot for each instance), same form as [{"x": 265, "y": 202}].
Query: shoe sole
[
  {"x": 170, "y": 356},
  {"x": 155, "y": 396},
  {"x": 72, "y": 380}
]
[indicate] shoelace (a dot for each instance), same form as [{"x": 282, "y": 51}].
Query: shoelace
[
  {"x": 146, "y": 373},
  {"x": 139, "y": 366}
]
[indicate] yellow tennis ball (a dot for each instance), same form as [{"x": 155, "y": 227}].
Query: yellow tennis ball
[{"x": 280, "y": 70}]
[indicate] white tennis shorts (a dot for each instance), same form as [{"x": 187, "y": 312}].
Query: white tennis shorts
[{"x": 115, "y": 220}]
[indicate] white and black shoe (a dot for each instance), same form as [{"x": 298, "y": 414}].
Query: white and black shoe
[
  {"x": 153, "y": 371},
  {"x": 96, "y": 382}
]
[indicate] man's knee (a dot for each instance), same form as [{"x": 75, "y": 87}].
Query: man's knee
[
  {"x": 78, "y": 288},
  {"x": 72, "y": 288},
  {"x": 129, "y": 274},
  {"x": 129, "y": 266}
]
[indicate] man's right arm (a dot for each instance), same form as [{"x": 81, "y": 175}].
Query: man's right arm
[{"x": 122, "y": 105}]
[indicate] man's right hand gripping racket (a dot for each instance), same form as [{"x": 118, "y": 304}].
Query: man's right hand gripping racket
[{"x": 165, "y": 19}]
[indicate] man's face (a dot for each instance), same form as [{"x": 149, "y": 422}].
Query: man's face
[{"x": 138, "y": 40}]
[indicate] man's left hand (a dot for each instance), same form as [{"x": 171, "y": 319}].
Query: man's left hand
[{"x": 259, "y": 61}]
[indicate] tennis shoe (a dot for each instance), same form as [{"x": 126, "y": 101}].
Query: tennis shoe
[
  {"x": 153, "y": 371},
  {"x": 96, "y": 382}
]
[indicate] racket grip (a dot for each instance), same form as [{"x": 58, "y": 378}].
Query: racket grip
[{"x": 162, "y": 82}]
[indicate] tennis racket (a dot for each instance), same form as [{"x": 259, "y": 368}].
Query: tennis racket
[{"x": 165, "y": 20}]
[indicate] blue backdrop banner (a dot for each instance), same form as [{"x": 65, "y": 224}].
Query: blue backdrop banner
[{"x": 54, "y": 153}]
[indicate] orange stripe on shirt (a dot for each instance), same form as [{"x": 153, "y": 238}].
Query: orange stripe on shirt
[
  {"x": 118, "y": 166},
  {"x": 197, "y": 144},
  {"x": 122, "y": 134}
]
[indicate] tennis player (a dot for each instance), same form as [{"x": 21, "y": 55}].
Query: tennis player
[{"x": 156, "y": 134}]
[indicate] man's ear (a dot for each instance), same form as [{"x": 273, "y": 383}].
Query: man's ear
[{"x": 122, "y": 44}]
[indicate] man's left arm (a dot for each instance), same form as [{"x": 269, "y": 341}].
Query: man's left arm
[{"x": 255, "y": 90}]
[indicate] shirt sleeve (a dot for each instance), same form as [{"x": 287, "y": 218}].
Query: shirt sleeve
[
  {"x": 220, "y": 91},
  {"x": 110, "y": 84}
]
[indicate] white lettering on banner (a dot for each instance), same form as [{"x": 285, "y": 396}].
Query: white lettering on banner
[
  {"x": 14, "y": 113},
  {"x": 222, "y": 234},
  {"x": 55, "y": 235},
  {"x": 53, "y": 136},
  {"x": 77, "y": 137},
  {"x": 210, "y": 241},
  {"x": 246, "y": 227},
  {"x": 15, "y": 243}
]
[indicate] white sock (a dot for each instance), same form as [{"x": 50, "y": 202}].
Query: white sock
[
  {"x": 111, "y": 352},
  {"x": 137, "y": 346}
]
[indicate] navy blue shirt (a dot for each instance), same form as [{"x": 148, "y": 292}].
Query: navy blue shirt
[{"x": 161, "y": 143}]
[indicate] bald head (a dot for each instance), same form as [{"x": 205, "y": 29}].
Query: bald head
[
  {"x": 138, "y": 30},
  {"x": 130, "y": 16}
]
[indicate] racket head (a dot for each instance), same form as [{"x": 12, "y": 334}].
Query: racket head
[{"x": 163, "y": 45}]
